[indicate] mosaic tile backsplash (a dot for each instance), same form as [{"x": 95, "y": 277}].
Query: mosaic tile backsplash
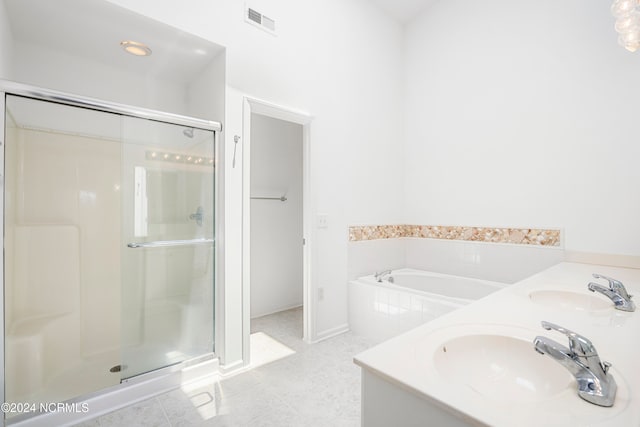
[{"x": 520, "y": 236}]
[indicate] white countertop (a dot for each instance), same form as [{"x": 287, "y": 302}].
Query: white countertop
[{"x": 408, "y": 360}]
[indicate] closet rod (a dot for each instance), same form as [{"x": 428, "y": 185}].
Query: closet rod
[{"x": 282, "y": 199}]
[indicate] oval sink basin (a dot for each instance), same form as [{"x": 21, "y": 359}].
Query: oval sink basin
[
  {"x": 565, "y": 300},
  {"x": 501, "y": 368}
]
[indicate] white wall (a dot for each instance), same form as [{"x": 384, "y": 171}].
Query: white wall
[
  {"x": 499, "y": 262},
  {"x": 6, "y": 45},
  {"x": 276, "y": 227},
  {"x": 76, "y": 75},
  {"x": 535, "y": 92},
  {"x": 341, "y": 61},
  {"x": 232, "y": 292},
  {"x": 523, "y": 114},
  {"x": 206, "y": 93}
]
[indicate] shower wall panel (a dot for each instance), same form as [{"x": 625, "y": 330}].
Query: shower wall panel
[
  {"x": 75, "y": 181},
  {"x": 62, "y": 286}
]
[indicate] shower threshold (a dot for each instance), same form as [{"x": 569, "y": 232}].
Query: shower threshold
[{"x": 116, "y": 396}]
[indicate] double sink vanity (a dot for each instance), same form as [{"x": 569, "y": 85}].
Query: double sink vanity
[{"x": 543, "y": 352}]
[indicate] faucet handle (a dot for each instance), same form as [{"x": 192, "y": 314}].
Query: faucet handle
[
  {"x": 378, "y": 275},
  {"x": 579, "y": 345},
  {"x": 614, "y": 285}
]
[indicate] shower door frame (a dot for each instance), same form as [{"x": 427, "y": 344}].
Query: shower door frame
[{"x": 33, "y": 92}]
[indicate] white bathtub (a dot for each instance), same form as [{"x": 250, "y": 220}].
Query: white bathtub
[{"x": 383, "y": 310}]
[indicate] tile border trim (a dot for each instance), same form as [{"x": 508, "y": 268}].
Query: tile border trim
[{"x": 518, "y": 236}]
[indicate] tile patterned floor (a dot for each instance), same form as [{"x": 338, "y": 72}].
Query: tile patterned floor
[{"x": 317, "y": 386}]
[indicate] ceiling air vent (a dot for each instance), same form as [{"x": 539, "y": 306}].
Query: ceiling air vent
[
  {"x": 259, "y": 20},
  {"x": 254, "y": 16}
]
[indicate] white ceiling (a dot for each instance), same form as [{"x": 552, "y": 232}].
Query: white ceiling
[
  {"x": 93, "y": 29},
  {"x": 403, "y": 10}
]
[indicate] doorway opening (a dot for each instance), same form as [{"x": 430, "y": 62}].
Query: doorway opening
[{"x": 276, "y": 231}]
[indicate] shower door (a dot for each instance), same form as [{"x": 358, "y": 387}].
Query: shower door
[
  {"x": 168, "y": 231},
  {"x": 108, "y": 244}
]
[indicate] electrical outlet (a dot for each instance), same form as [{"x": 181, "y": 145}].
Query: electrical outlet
[
  {"x": 323, "y": 221},
  {"x": 320, "y": 294}
]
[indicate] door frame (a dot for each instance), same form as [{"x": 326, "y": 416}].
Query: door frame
[{"x": 257, "y": 106}]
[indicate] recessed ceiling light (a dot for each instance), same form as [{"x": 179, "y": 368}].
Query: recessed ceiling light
[{"x": 135, "y": 48}]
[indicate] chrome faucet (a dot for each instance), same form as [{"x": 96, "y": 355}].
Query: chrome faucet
[
  {"x": 616, "y": 292},
  {"x": 379, "y": 276},
  {"x": 595, "y": 385}
]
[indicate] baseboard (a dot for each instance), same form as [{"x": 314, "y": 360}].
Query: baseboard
[
  {"x": 330, "y": 333},
  {"x": 277, "y": 310},
  {"x": 230, "y": 369}
]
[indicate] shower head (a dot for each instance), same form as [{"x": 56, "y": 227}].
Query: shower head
[{"x": 188, "y": 132}]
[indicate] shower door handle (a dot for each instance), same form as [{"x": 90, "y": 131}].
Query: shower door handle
[{"x": 169, "y": 243}]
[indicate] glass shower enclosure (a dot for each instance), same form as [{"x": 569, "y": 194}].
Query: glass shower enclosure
[{"x": 108, "y": 244}]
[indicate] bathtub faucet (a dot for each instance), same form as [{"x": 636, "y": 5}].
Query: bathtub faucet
[
  {"x": 379, "y": 276},
  {"x": 582, "y": 360},
  {"x": 616, "y": 292}
]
